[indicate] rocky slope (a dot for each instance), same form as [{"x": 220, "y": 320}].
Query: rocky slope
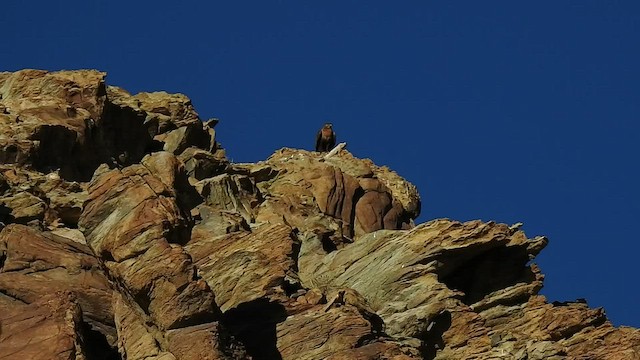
[{"x": 127, "y": 234}]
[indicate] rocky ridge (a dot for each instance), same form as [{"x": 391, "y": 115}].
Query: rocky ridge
[{"x": 127, "y": 234}]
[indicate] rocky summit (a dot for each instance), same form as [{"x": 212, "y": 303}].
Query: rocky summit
[{"x": 128, "y": 234}]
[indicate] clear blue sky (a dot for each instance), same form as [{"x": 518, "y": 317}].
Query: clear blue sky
[{"x": 511, "y": 112}]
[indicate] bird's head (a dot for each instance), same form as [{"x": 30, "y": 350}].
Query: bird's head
[{"x": 328, "y": 126}]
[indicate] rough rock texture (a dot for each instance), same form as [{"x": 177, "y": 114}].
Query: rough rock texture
[
  {"x": 125, "y": 233},
  {"x": 132, "y": 219},
  {"x": 35, "y": 264},
  {"x": 48, "y": 329},
  {"x": 244, "y": 266},
  {"x": 340, "y": 199}
]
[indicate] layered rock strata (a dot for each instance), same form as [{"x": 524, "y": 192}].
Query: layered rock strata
[{"x": 125, "y": 233}]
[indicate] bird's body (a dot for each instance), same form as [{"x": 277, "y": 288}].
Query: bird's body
[{"x": 326, "y": 138}]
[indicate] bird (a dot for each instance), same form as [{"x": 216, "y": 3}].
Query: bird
[{"x": 326, "y": 138}]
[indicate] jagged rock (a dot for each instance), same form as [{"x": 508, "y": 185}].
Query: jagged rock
[
  {"x": 64, "y": 207},
  {"x": 139, "y": 340},
  {"x": 381, "y": 350},
  {"x": 70, "y": 120},
  {"x": 201, "y": 164},
  {"x": 23, "y": 207},
  {"x": 44, "y": 198},
  {"x": 171, "y": 110},
  {"x": 235, "y": 193},
  {"x": 213, "y": 343},
  {"x": 300, "y": 256},
  {"x": 133, "y": 220},
  {"x": 38, "y": 263},
  {"x": 169, "y": 119},
  {"x": 422, "y": 261},
  {"x": 135, "y": 340},
  {"x": 350, "y": 191},
  {"x": 71, "y": 234},
  {"x": 48, "y": 117},
  {"x": 244, "y": 266},
  {"x": 178, "y": 140},
  {"x": 48, "y": 329},
  {"x": 214, "y": 222},
  {"x": 321, "y": 332}
]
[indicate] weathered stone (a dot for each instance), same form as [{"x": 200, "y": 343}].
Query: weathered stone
[
  {"x": 201, "y": 164},
  {"x": 44, "y": 198},
  {"x": 244, "y": 266},
  {"x": 309, "y": 256},
  {"x": 178, "y": 140},
  {"x": 49, "y": 117},
  {"x": 48, "y": 329},
  {"x": 213, "y": 343},
  {"x": 132, "y": 219},
  {"x": 382, "y": 350},
  {"x": 171, "y": 110},
  {"x": 235, "y": 193},
  {"x": 23, "y": 207},
  {"x": 214, "y": 222},
  {"x": 136, "y": 341},
  {"x": 319, "y": 332},
  {"x": 408, "y": 288},
  {"x": 38, "y": 263},
  {"x": 343, "y": 188}
]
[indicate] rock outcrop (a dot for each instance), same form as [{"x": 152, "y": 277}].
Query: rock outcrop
[
  {"x": 125, "y": 233},
  {"x": 49, "y": 328}
]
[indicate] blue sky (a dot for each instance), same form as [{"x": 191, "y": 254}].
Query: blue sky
[{"x": 510, "y": 112}]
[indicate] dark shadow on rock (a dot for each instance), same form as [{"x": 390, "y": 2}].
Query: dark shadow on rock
[
  {"x": 359, "y": 192},
  {"x": 487, "y": 271},
  {"x": 5, "y": 214},
  {"x": 327, "y": 243},
  {"x": 377, "y": 329},
  {"x": 254, "y": 324},
  {"x": 433, "y": 336},
  {"x": 96, "y": 346}
]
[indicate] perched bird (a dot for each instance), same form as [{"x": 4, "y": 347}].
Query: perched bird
[{"x": 326, "y": 138}]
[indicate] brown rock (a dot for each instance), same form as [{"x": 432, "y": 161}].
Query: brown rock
[
  {"x": 45, "y": 199},
  {"x": 178, "y": 140},
  {"x": 212, "y": 343},
  {"x": 234, "y": 193},
  {"x": 417, "y": 269},
  {"x": 171, "y": 110},
  {"x": 214, "y": 222},
  {"x": 383, "y": 350},
  {"x": 136, "y": 341},
  {"x": 48, "y": 117},
  {"x": 49, "y": 329},
  {"x": 23, "y": 207},
  {"x": 244, "y": 266},
  {"x": 319, "y": 332},
  {"x": 344, "y": 189},
  {"x": 201, "y": 164},
  {"x": 131, "y": 218},
  {"x": 309, "y": 256},
  {"x": 39, "y": 263}
]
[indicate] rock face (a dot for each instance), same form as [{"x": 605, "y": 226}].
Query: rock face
[
  {"x": 49, "y": 328},
  {"x": 125, "y": 233}
]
